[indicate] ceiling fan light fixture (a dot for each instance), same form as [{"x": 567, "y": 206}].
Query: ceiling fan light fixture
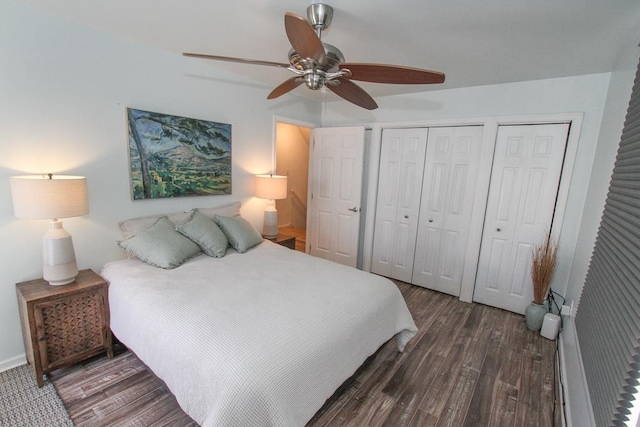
[{"x": 314, "y": 81}]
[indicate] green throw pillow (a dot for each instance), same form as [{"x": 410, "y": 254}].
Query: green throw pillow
[
  {"x": 161, "y": 245},
  {"x": 202, "y": 230},
  {"x": 241, "y": 234}
]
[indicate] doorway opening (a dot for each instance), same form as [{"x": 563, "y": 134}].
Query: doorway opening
[{"x": 292, "y": 160}]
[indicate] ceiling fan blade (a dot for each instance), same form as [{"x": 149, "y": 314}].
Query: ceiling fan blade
[
  {"x": 241, "y": 60},
  {"x": 286, "y": 86},
  {"x": 303, "y": 38},
  {"x": 352, "y": 93},
  {"x": 395, "y": 74}
]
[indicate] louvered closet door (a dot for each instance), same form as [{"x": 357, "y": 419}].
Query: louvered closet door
[
  {"x": 522, "y": 195},
  {"x": 399, "y": 187},
  {"x": 451, "y": 170}
]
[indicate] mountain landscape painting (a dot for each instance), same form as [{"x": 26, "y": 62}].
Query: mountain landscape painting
[{"x": 172, "y": 156}]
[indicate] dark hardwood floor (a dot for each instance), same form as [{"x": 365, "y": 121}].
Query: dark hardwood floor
[{"x": 469, "y": 365}]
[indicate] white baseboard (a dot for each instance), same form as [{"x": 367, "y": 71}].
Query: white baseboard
[
  {"x": 5, "y": 365},
  {"x": 577, "y": 402}
]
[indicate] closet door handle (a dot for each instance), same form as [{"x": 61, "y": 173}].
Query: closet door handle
[
  {"x": 498, "y": 229},
  {"x": 430, "y": 219},
  {"x": 406, "y": 217}
]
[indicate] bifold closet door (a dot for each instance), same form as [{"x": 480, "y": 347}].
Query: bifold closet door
[
  {"x": 451, "y": 170},
  {"x": 399, "y": 186},
  {"x": 524, "y": 184}
]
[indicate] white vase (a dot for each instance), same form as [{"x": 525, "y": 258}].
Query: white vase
[{"x": 534, "y": 315}]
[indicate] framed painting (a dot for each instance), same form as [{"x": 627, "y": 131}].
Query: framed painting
[{"x": 173, "y": 156}]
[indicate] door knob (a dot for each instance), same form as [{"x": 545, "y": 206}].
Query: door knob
[
  {"x": 406, "y": 217},
  {"x": 354, "y": 209},
  {"x": 498, "y": 229},
  {"x": 430, "y": 219}
]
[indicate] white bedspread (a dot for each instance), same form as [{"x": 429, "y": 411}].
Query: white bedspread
[{"x": 255, "y": 339}]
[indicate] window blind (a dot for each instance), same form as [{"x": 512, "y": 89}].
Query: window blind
[{"x": 608, "y": 318}]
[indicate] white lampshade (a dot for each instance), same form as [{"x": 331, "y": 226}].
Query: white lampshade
[
  {"x": 271, "y": 187},
  {"x": 44, "y": 197},
  {"x": 52, "y": 197}
]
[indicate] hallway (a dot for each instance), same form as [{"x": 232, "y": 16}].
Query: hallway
[{"x": 299, "y": 233}]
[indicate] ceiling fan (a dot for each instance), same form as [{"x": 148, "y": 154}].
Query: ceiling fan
[{"x": 319, "y": 64}]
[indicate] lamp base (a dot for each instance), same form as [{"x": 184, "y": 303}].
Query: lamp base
[
  {"x": 61, "y": 274},
  {"x": 270, "y": 224},
  {"x": 59, "y": 259}
]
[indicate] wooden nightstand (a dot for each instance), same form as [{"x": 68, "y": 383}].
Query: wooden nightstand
[
  {"x": 62, "y": 325},
  {"x": 285, "y": 240}
]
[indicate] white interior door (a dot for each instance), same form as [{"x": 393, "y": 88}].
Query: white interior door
[
  {"x": 399, "y": 185},
  {"x": 522, "y": 196},
  {"x": 336, "y": 189},
  {"x": 451, "y": 170}
]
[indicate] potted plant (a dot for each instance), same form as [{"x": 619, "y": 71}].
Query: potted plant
[{"x": 543, "y": 265}]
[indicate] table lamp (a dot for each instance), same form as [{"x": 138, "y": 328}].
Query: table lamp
[
  {"x": 52, "y": 197},
  {"x": 270, "y": 187}
]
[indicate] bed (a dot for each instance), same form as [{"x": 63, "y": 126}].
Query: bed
[{"x": 259, "y": 338}]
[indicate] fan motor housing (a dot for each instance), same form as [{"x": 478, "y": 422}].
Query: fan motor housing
[{"x": 334, "y": 58}]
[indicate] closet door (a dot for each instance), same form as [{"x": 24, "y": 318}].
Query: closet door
[
  {"x": 399, "y": 187},
  {"x": 522, "y": 196},
  {"x": 451, "y": 169}
]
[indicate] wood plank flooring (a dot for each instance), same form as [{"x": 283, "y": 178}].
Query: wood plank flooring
[
  {"x": 469, "y": 365},
  {"x": 117, "y": 392}
]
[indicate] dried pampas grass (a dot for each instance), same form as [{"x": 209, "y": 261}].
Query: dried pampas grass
[{"x": 543, "y": 265}]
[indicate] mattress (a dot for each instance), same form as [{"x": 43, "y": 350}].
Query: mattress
[{"x": 255, "y": 339}]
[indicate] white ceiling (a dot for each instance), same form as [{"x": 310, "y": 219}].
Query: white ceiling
[{"x": 474, "y": 42}]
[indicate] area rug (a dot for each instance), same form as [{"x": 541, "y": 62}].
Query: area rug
[{"x": 24, "y": 404}]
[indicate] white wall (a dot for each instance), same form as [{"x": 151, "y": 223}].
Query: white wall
[
  {"x": 583, "y": 94},
  {"x": 63, "y": 94}
]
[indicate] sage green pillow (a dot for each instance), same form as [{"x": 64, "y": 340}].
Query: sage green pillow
[
  {"x": 241, "y": 234},
  {"x": 161, "y": 245},
  {"x": 205, "y": 233}
]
